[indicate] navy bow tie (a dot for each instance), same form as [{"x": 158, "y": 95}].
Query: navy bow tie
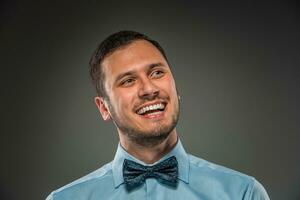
[{"x": 135, "y": 174}]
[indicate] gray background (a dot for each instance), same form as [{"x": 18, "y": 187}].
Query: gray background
[{"x": 236, "y": 70}]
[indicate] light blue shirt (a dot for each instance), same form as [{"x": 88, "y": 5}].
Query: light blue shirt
[{"x": 198, "y": 179}]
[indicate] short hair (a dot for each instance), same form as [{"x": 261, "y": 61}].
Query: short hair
[{"x": 107, "y": 47}]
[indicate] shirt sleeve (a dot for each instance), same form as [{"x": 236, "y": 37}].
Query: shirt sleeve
[{"x": 257, "y": 192}]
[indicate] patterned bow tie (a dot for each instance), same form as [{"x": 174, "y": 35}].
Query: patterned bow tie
[{"x": 135, "y": 174}]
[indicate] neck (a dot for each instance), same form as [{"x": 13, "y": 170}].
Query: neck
[{"x": 149, "y": 155}]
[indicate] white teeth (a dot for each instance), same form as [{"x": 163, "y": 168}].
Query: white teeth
[{"x": 152, "y": 107}]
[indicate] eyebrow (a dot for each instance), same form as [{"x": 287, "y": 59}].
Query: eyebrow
[{"x": 149, "y": 67}]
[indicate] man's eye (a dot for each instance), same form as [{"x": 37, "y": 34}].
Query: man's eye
[
  {"x": 127, "y": 82},
  {"x": 157, "y": 74}
]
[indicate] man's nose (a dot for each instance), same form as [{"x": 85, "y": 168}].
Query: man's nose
[{"x": 147, "y": 89}]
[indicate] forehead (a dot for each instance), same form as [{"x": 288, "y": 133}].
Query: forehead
[{"x": 134, "y": 56}]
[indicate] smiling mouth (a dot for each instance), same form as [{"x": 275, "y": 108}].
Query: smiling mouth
[{"x": 153, "y": 109}]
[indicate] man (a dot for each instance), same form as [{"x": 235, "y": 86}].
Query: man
[{"x": 136, "y": 89}]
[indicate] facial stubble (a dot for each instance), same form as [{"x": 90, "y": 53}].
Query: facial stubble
[{"x": 146, "y": 138}]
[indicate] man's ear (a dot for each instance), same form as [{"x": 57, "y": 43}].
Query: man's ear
[{"x": 102, "y": 107}]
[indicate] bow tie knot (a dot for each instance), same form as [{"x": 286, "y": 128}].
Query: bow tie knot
[
  {"x": 149, "y": 171},
  {"x": 135, "y": 174}
]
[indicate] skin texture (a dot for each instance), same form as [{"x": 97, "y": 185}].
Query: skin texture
[{"x": 135, "y": 76}]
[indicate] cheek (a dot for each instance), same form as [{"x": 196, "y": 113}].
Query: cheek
[
  {"x": 124, "y": 99},
  {"x": 170, "y": 86}
]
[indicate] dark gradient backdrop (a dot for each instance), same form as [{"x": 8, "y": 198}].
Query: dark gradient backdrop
[{"x": 236, "y": 67}]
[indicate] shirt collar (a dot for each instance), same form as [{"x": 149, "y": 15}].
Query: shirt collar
[{"x": 178, "y": 151}]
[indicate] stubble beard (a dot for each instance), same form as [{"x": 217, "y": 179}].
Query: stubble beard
[{"x": 146, "y": 138}]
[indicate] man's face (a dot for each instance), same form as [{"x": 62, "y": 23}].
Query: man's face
[{"x": 143, "y": 100}]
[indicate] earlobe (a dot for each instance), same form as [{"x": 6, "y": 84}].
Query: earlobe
[{"x": 103, "y": 108}]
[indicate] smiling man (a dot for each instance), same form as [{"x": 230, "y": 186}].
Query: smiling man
[{"x": 136, "y": 90}]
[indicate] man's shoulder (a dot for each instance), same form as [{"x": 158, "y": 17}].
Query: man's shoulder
[
  {"x": 207, "y": 176},
  {"x": 101, "y": 176},
  {"x": 212, "y": 170}
]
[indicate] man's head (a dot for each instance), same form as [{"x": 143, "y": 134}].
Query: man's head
[
  {"x": 136, "y": 87},
  {"x": 108, "y": 46}
]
